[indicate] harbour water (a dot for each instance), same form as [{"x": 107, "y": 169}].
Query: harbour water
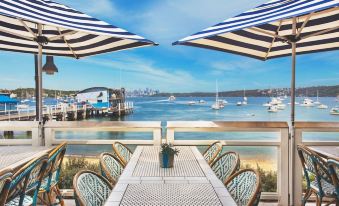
[{"x": 160, "y": 109}]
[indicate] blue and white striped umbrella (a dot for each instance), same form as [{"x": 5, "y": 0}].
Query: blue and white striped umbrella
[
  {"x": 64, "y": 31},
  {"x": 275, "y": 29},
  {"x": 265, "y": 32}
]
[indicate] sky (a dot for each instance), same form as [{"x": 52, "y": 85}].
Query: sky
[{"x": 166, "y": 67}]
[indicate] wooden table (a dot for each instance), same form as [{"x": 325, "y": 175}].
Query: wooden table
[
  {"x": 327, "y": 151},
  {"x": 13, "y": 156},
  {"x": 190, "y": 182}
]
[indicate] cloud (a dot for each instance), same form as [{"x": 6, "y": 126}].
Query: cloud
[{"x": 143, "y": 71}]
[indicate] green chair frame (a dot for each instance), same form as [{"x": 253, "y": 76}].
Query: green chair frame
[
  {"x": 226, "y": 165},
  {"x": 27, "y": 180},
  {"x": 51, "y": 177},
  {"x": 245, "y": 187},
  {"x": 5, "y": 181},
  {"x": 85, "y": 192},
  {"x": 212, "y": 152},
  {"x": 122, "y": 152},
  {"x": 333, "y": 167},
  {"x": 315, "y": 165},
  {"x": 111, "y": 167}
]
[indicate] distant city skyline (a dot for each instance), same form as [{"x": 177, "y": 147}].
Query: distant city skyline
[{"x": 166, "y": 67}]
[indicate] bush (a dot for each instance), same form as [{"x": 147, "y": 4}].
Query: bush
[
  {"x": 71, "y": 167},
  {"x": 268, "y": 178}
]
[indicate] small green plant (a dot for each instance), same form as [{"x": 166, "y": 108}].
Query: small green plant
[{"x": 167, "y": 149}]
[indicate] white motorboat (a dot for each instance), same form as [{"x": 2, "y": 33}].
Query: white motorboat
[
  {"x": 307, "y": 103},
  {"x": 281, "y": 106},
  {"x": 22, "y": 106},
  {"x": 267, "y": 104},
  {"x": 171, "y": 98},
  {"x": 215, "y": 106},
  {"x": 191, "y": 103},
  {"x": 322, "y": 106},
  {"x": 272, "y": 109},
  {"x": 239, "y": 103},
  {"x": 275, "y": 101},
  {"x": 335, "y": 111},
  {"x": 201, "y": 101},
  {"x": 24, "y": 100}
]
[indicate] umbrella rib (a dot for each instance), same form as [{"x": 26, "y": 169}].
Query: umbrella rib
[
  {"x": 320, "y": 32},
  {"x": 304, "y": 24},
  {"x": 27, "y": 27},
  {"x": 268, "y": 33},
  {"x": 18, "y": 35},
  {"x": 270, "y": 47},
  {"x": 69, "y": 46},
  {"x": 61, "y": 35}
]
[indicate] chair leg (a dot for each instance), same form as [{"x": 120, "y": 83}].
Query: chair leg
[
  {"x": 59, "y": 196},
  {"x": 319, "y": 200},
  {"x": 307, "y": 195}
]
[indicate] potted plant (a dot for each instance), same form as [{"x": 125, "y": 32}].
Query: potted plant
[{"x": 166, "y": 155}]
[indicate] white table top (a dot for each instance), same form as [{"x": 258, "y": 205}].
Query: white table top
[
  {"x": 190, "y": 182},
  {"x": 329, "y": 151},
  {"x": 14, "y": 156}
]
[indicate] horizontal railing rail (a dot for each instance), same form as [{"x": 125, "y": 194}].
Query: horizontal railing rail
[
  {"x": 136, "y": 126},
  {"x": 300, "y": 129}
]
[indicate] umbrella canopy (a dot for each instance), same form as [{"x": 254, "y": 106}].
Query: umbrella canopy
[
  {"x": 266, "y": 31},
  {"x": 64, "y": 31},
  {"x": 275, "y": 29}
]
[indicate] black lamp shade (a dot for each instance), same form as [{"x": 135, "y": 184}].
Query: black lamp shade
[{"x": 49, "y": 67}]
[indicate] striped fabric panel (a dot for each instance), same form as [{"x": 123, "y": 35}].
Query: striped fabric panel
[
  {"x": 252, "y": 33},
  {"x": 90, "y": 36}
]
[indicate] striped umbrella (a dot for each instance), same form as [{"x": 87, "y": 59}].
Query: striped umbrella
[
  {"x": 275, "y": 29},
  {"x": 47, "y": 27}
]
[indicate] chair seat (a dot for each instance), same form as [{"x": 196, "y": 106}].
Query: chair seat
[
  {"x": 328, "y": 188},
  {"x": 28, "y": 200}
]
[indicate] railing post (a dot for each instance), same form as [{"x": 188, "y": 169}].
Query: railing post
[
  {"x": 283, "y": 172},
  {"x": 49, "y": 137},
  {"x": 170, "y": 136},
  {"x": 297, "y": 170},
  {"x": 157, "y": 136},
  {"x": 35, "y": 136}
]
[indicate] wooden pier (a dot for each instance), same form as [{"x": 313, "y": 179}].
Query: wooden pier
[{"x": 66, "y": 113}]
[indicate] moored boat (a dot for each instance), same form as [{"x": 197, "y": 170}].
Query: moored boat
[
  {"x": 322, "y": 106},
  {"x": 335, "y": 111},
  {"x": 272, "y": 109}
]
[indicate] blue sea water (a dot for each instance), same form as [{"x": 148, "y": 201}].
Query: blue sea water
[{"x": 160, "y": 109}]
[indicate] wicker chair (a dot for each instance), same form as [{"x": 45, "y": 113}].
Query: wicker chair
[
  {"x": 123, "y": 153},
  {"x": 212, "y": 152},
  {"x": 225, "y": 165},
  {"x": 111, "y": 167},
  {"x": 315, "y": 166},
  {"x": 5, "y": 181},
  {"x": 245, "y": 187},
  {"x": 91, "y": 188},
  {"x": 333, "y": 166},
  {"x": 26, "y": 181},
  {"x": 51, "y": 177}
]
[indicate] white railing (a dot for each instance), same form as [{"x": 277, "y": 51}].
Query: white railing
[
  {"x": 282, "y": 194},
  {"x": 24, "y": 126},
  {"x": 145, "y": 126},
  {"x": 300, "y": 129}
]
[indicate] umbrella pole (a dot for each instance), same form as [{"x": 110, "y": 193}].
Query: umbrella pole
[{"x": 39, "y": 84}]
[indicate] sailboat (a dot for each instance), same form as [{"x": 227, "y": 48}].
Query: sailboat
[
  {"x": 317, "y": 102},
  {"x": 216, "y": 105}
]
